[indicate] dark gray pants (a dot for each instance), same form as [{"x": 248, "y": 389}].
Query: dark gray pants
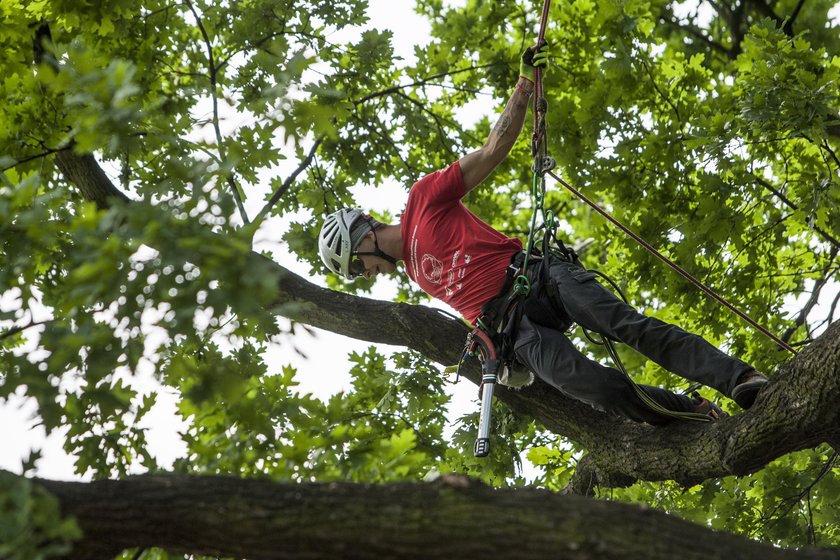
[{"x": 548, "y": 353}]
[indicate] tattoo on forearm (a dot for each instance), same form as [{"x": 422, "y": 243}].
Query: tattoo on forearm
[{"x": 503, "y": 124}]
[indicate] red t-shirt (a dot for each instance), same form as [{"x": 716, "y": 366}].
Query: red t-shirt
[{"x": 450, "y": 253}]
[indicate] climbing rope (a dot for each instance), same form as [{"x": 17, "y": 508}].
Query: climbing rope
[{"x": 542, "y": 163}]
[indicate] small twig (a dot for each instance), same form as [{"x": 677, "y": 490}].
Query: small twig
[
  {"x": 438, "y": 121},
  {"x": 38, "y": 156},
  {"x": 828, "y": 237},
  {"x": 662, "y": 95},
  {"x": 411, "y": 170},
  {"x": 812, "y": 301},
  {"x": 827, "y": 147},
  {"x": 281, "y": 190},
  {"x": 697, "y": 33},
  {"x": 420, "y": 82},
  {"x": 17, "y": 330},
  {"x": 791, "y": 501},
  {"x": 255, "y": 45},
  {"x": 214, "y": 96}
]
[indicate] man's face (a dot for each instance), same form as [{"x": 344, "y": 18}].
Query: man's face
[{"x": 370, "y": 265}]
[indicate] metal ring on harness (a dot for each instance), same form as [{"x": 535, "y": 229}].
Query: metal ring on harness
[{"x": 522, "y": 285}]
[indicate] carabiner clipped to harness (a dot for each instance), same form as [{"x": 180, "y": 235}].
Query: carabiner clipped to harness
[{"x": 522, "y": 285}]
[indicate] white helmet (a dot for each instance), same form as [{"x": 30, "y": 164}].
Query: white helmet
[{"x": 334, "y": 241}]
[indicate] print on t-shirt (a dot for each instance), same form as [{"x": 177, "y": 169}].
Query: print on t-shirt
[
  {"x": 451, "y": 254},
  {"x": 432, "y": 268}
]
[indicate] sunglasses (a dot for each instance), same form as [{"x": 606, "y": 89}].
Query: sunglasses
[{"x": 357, "y": 267}]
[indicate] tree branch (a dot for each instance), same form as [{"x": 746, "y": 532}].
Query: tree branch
[
  {"x": 387, "y": 139},
  {"x": 84, "y": 172},
  {"x": 420, "y": 82},
  {"x": 833, "y": 308},
  {"x": 737, "y": 27},
  {"x": 697, "y": 33},
  {"x": 213, "y": 70},
  {"x": 282, "y": 189},
  {"x": 765, "y": 9},
  {"x": 812, "y": 301},
  {"x": 441, "y": 130},
  {"x": 453, "y": 517},
  {"x": 26, "y": 159},
  {"x": 17, "y": 330},
  {"x": 788, "y": 28},
  {"x": 790, "y": 204},
  {"x": 661, "y": 94}
]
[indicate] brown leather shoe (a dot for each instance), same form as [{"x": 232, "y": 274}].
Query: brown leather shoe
[{"x": 749, "y": 384}]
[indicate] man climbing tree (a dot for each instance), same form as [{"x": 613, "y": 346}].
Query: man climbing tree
[{"x": 457, "y": 258}]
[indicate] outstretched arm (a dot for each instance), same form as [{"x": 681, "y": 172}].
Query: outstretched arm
[{"x": 476, "y": 166}]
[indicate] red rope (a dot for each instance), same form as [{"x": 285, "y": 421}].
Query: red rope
[{"x": 538, "y": 83}]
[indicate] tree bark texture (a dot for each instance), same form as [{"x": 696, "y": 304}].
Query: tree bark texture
[
  {"x": 84, "y": 172},
  {"x": 453, "y": 517},
  {"x": 797, "y": 410}
]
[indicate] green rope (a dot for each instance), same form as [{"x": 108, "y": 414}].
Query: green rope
[{"x": 522, "y": 285}]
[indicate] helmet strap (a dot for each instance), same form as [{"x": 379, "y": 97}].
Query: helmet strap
[{"x": 379, "y": 252}]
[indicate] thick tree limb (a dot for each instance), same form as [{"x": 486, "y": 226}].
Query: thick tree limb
[{"x": 453, "y": 517}]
